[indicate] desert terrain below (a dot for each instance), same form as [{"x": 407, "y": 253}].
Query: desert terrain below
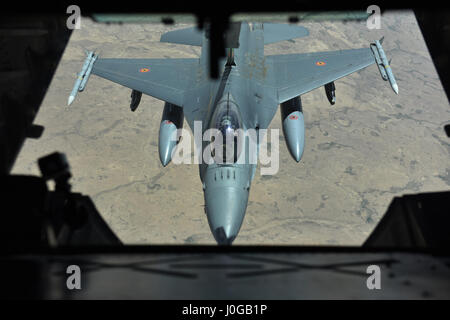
[{"x": 371, "y": 146}]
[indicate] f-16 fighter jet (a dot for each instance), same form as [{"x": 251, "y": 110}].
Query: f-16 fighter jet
[{"x": 246, "y": 96}]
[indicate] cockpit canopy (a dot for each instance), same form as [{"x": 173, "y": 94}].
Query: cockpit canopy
[{"x": 227, "y": 120}]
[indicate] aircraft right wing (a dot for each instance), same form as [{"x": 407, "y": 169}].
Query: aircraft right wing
[{"x": 295, "y": 74}]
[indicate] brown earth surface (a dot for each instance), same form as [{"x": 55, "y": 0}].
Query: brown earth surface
[{"x": 370, "y": 146}]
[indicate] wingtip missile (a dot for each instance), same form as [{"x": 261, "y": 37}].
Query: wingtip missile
[
  {"x": 87, "y": 73},
  {"x": 395, "y": 88},
  {"x": 383, "y": 64},
  {"x": 70, "y": 100},
  {"x": 80, "y": 77}
]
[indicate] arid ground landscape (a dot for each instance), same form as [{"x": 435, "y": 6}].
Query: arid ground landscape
[{"x": 371, "y": 146}]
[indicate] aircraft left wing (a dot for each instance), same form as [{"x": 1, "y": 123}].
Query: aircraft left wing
[
  {"x": 296, "y": 74},
  {"x": 164, "y": 79}
]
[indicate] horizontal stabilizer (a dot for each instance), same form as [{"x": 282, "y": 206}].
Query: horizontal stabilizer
[
  {"x": 274, "y": 32},
  {"x": 189, "y": 36}
]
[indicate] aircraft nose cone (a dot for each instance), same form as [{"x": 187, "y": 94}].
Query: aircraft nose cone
[
  {"x": 225, "y": 208},
  {"x": 221, "y": 236}
]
